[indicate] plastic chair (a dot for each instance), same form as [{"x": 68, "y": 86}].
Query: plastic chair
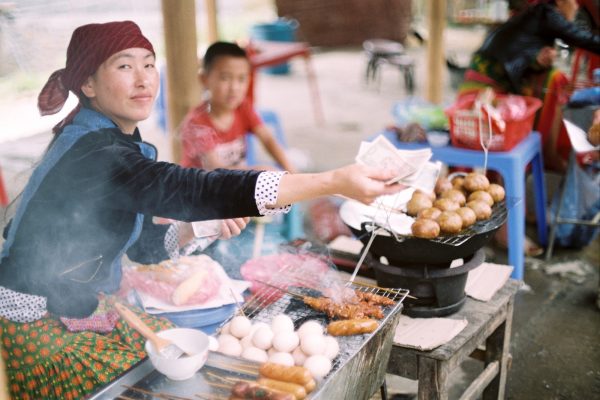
[
  {"x": 383, "y": 51},
  {"x": 292, "y": 222},
  {"x": 512, "y": 165},
  {"x": 3, "y": 195}
]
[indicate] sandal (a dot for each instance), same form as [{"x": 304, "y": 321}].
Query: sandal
[{"x": 530, "y": 248}]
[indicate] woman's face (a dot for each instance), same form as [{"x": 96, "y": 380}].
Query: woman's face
[
  {"x": 124, "y": 87},
  {"x": 568, "y": 8}
]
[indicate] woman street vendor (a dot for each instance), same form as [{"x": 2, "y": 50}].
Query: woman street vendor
[{"x": 92, "y": 199}]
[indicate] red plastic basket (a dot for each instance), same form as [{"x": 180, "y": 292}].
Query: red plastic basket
[{"x": 465, "y": 129}]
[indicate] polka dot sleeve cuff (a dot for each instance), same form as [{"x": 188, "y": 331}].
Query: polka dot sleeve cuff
[{"x": 266, "y": 192}]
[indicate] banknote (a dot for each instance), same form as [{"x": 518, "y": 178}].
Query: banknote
[{"x": 382, "y": 154}]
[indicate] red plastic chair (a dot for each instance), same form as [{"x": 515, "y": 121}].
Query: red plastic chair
[
  {"x": 579, "y": 80},
  {"x": 3, "y": 195}
]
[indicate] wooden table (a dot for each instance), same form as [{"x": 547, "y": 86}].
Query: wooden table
[{"x": 489, "y": 326}]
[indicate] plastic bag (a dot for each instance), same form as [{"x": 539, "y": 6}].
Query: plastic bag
[
  {"x": 414, "y": 110},
  {"x": 581, "y": 201}
]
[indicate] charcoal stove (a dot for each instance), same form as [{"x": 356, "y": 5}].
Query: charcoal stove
[
  {"x": 438, "y": 289},
  {"x": 423, "y": 266}
]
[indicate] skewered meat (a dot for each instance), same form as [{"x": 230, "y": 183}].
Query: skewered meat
[
  {"x": 250, "y": 390},
  {"x": 299, "y": 375},
  {"x": 343, "y": 311},
  {"x": 297, "y": 391},
  {"x": 374, "y": 298},
  {"x": 352, "y": 327}
]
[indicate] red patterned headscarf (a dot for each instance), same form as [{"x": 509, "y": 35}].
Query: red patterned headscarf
[{"x": 89, "y": 47}]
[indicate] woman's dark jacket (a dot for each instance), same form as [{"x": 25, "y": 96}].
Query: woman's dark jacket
[
  {"x": 516, "y": 43},
  {"x": 85, "y": 209}
]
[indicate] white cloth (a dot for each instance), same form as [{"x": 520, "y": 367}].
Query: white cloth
[
  {"x": 484, "y": 281},
  {"x": 427, "y": 333}
]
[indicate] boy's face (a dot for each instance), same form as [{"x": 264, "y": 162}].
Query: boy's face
[{"x": 228, "y": 81}]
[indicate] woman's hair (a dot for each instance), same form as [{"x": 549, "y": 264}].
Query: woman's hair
[{"x": 221, "y": 49}]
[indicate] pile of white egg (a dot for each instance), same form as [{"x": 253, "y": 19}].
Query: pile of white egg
[{"x": 279, "y": 343}]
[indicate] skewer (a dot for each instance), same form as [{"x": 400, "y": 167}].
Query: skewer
[
  {"x": 296, "y": 295},
  {"x": 218, "y": 385},
  {"x": 122, "y": 397},
  {"x": 212, "y": 397},
  {"x": 157, "y": 394},
  {"x": 237, "y": 303},
  {"x": 233, "y": 367}
]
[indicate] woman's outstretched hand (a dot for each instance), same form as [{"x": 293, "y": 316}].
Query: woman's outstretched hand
[
  {"x": 363, "y": 183},
  {"x": 354, "y": 181}
]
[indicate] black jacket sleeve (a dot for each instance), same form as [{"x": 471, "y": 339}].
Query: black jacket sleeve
[
  {"x": 557, "y": 26},
  {"x": 116, "y": 173},
  {"x": 150, "y": 246}
]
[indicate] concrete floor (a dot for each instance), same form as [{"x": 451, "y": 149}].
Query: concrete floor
[{"x": 556, "y": 327}]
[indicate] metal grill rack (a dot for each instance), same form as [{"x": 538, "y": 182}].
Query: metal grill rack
[
  {"x": 499, "y": 214},
  {"x": 276, "y": 297}
]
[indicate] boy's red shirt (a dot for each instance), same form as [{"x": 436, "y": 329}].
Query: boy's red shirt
[{"x": 199, "y": 135}]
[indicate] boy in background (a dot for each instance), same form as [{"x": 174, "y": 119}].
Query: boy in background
[{"x": 213, "y": 133}]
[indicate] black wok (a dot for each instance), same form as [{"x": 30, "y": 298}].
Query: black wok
[{"x": 409, "y": 250}]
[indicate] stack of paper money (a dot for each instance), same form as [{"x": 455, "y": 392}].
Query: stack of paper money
[{"x": 411, "y": 168}]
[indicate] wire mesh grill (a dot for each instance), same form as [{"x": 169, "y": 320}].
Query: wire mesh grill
[
  {"x": 499, "y": 214},
  {"x": 278, "y": 294}
]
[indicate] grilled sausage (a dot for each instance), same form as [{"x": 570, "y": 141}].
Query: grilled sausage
[
  {"x": 310, "y": 386},
  {"x": 352, "y": 327},
  {"x": 299, "y": 375},
  {"x": 296, "y": 390}
]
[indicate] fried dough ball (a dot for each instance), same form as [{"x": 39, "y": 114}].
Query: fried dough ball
[
  {"x": 467, "y": 215},
  {"x": 425, "y": 228},
  {"x": 442, "y": 185},
  {"x": 497, "y": 192},
  {"x": 482, "y": 195},
  {"x": 458, "y": 182},
  {"x": 482, "y": 209},
  {"x": 430, "y": 196},
  {"x": 418, "y": 203},
  {"x": 450, "y": 222},
  {"x": 594, "y": 134},
  {"x": 429, "y": 213},
  {"x": 455, "y": 195},
  {"x": 476, "y": 181},
  {"x": 446, "y": 205}
]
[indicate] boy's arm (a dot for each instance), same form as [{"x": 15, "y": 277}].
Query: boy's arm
[{"x": 263, "y": 133}]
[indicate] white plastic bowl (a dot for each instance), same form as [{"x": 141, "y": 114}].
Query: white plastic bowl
[
  {"x": 438, "y": 138},
  {"x": 192, "y": 341}
]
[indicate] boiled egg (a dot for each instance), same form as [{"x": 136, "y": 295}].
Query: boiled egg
[
  {"x": 282, "y": 323},
  {"x": 263, "y": 338},
  {"x": 285, "y": 341},
  {"x": 312, "y": 345},
  {"x": 282, "y": 358},
  {"x": 240, "y": 326}
]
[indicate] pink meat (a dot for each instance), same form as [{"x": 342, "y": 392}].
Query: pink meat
[
  {"x": 161, "y": 285},
  {"x": 267, "y": 268}
]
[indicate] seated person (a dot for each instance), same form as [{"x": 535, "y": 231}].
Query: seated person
[
  {"x": 517, "y": 57},
  {"x": 213, "y": 134}
]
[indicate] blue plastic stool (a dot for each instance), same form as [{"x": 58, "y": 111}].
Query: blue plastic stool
[
  {"x": 511, "y": 164},
  {"x": 292, "y": 221}
]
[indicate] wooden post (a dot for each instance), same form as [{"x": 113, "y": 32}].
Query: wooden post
[
  {"x": 183, "y": 88},
  {"x": 211, "y": 20},
  {"x": 435, "y": 50}
]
